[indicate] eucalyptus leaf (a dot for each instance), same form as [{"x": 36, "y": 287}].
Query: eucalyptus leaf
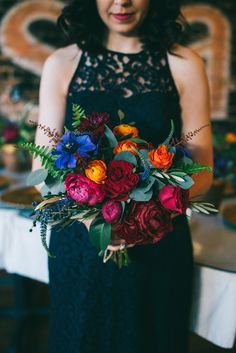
[
  {"x": 111, "y": 137},
  {"x": 177, "y": 178},
  {"x": 200, "y": 209},
  {"x": 178, "y": 173},
  {"x": 37, "y": 177},
  {"x": 138, "y": 140},
  {"x": 149, "y": 185},
  {"x": 126, "y": 156},
  {"x": 187, "y": 183},
  {"x": 139, "y": 195}
]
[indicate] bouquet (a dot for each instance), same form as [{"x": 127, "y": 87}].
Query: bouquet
[{"x": 130, "y": 187}]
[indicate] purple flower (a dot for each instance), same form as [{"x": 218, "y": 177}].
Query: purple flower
[{"x": 70, "y": 145}]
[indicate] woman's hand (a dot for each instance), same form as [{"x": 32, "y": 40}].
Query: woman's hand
[
  {"x": 87, "y": 222},
  {"x": 117, "y": 243}
]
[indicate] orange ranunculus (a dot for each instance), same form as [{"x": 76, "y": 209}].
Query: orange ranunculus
[
  {"x": 125, "y": 129},
  {"x": 125, "y": 146},
  {"x": 96, "y": 171},
  {"x": 230, "y": 137},
  {"x": 161, "y": 158}
]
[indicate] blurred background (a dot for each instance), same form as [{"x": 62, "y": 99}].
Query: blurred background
[{"x": 28, "y": 34}]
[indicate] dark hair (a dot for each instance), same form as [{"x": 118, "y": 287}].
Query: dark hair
[{"x": 162, "y": 26}]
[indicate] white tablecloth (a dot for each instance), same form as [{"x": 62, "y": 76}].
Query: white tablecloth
[{"x": 214, "y": 304}]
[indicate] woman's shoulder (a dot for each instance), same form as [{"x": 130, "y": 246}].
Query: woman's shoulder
[
  {"x": 186, "y": 64},
  {"x": 61, "y": 65},
  {"x": 63, "y": 57}
]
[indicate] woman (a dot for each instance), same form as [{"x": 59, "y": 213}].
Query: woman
[{"x": 125, "y": 56}]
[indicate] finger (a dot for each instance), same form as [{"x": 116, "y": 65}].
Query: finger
[{"x": 113, "y": 247}]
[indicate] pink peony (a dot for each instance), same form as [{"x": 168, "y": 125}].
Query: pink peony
[
  {"x": 174, "y": 198},
  {"x": 83, "y": 190},
  {"x": 111, "y": 211}
]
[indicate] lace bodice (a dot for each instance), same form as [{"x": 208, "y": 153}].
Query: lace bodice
[
  {"x": 140, "y": 84},
  {"x": 125, "y": 74}
]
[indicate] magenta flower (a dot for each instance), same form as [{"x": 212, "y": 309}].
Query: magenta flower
[
  {"x": 83, "y": 190},
  {"x": 111, "y": 211},
  {"x": 174, "y": 199}
]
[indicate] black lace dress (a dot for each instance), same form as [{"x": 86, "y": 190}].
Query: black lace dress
[{"x": 95, "y": 307}]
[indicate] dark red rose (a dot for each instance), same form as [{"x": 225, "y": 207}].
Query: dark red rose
[
  {"x": 144, "y": 223},
  {"x": 94, "y": 123},
  {"x": 174, "y": 198},
  {"x": 10, "y": 133},
  {"x": 120, "y": 180}
]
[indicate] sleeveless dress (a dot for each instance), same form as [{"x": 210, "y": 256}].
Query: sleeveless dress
[{"x": 142, "y": 308}]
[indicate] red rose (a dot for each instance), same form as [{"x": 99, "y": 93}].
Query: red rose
[
  {"x": 83, "y": 190},
  {"x": 94, "y": 123},
  {"x": 174, "y": 198},
  {"x": 10, "y": 133},
  {"x": 120, "y": 180},
  {"x": 144, "y": 223}
]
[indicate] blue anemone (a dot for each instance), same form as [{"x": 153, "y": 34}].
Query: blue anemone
[{"x": 70, "y": 145}]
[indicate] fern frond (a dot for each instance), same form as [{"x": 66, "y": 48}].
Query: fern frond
[
  {"x": 78, "y": 113},
  {"x": 194, "y": 168},
  {"x": 46, "y": 159}
]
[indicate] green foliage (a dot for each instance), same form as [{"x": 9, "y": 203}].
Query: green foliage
[
  {"x": 78, "y": 113},
  {"x": 172, "y": 130},
  {"x": 110, "y": 137},
  {"x": 37, "y": 177},
  {"x": 126, "y": 156},
  {"x": 47, "y": 160},
  {"x": 203, "y": 207},
  {"x": 100, "y": 233},
  {"x": 139, "y": 194},
  {"x": 195, "y": 168}
]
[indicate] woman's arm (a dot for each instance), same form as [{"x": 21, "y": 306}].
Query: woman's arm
[
  {"x": 57, "y": 72},
  {"x": 192, "y": 83}
]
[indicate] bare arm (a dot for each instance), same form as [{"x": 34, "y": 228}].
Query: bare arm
[{"x": 192, "y": 83}]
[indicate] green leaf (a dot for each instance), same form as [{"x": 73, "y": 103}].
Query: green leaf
[
  {"x": 149, "y": 184},
  {"x": 139, "y": 195},
  {"x": 111, "y": 137},
  {"x": 37, "y": 177},
  {"x": 126, "y": 156},
  {"x": 172, "y": 130},
  {"x": 187, "y": 183},
  {"x": 100, "y": 233},
  {"x": 138, "y": 140},
  {"x": 187, "y": 160},
  {"x": 123, "y": 204},
  {"x": 176, "y": 172},
  {"x": 121, "y": 115}
]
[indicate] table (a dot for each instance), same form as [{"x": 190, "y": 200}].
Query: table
[{"x": 214, "y": 302}]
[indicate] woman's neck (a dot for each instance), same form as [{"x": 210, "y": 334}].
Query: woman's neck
[{"x": 125, "y": 44}]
